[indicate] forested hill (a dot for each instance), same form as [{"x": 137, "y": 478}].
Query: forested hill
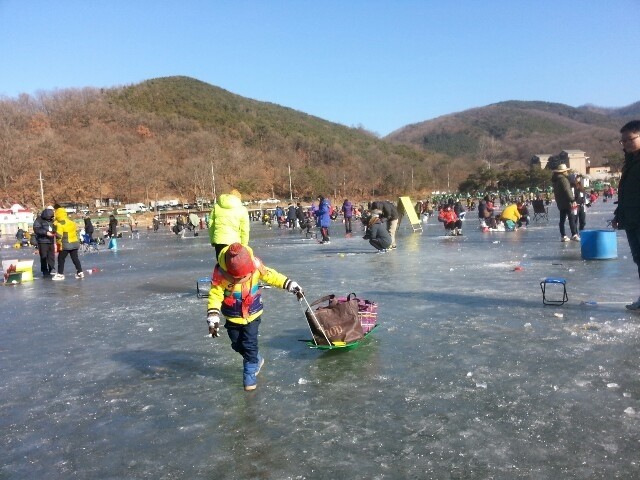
[
  {"x": 180, "y": 137},
  {"x": 514, "y": 131}
]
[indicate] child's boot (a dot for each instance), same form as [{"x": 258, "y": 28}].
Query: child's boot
[{"x": 251, "y": 370}]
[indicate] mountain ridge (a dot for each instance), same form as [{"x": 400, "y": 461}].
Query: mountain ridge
[
  {"x": 179, "y": 136},
  {"x": 518, "y": 130}
]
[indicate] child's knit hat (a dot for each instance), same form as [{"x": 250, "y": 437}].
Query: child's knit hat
[{"x": 238, "y": 261}]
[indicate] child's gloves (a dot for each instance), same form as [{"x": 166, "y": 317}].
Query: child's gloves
[
  {"x": 213, "y": 321},
  {"x": 294, "y": 288}
]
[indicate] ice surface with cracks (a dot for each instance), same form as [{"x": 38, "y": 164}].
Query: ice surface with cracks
[{"x": 468, "y": 375}]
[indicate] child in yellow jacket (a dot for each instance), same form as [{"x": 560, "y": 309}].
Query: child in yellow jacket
[{"x": 236, "y": 294}]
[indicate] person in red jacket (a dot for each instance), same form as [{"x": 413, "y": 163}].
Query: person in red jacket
[{"x": 450, "y": 220}]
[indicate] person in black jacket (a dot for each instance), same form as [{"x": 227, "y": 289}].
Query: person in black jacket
[
  {"x": 44, "y": 231},
  {"x": 627, "y": 214},
  {"x": 88, "y": 227},
  {"x": 581, "y": 201},
  {"x": 113, "y": 227},
  {"x": 291, "y": 216},
  {"x": 300, "y": 215},
  {"x": 565, "y": 201},
  {"x": 390, "y": 214}
]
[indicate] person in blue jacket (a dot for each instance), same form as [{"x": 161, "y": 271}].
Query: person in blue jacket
[{"x": 323, "y": 218}]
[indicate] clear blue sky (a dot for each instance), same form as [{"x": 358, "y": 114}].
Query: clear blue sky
[{"x": 376, "y": 64}]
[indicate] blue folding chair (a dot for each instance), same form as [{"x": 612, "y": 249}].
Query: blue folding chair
[{"x": 555, "y": 282}]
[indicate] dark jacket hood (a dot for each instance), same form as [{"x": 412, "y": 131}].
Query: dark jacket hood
[{"x": 47, "y": 214}]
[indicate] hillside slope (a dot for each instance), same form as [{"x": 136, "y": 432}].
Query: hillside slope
[
  {"x": 180, "y": 137},
  {"x": 514, "y": 131}
]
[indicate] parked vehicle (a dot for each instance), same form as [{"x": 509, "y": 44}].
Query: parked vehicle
[{"x": 136, "y": 207}]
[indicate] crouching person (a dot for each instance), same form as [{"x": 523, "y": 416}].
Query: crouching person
[
  {"x": 377, "y": 233},
  {"x": 236, "y": 294}
]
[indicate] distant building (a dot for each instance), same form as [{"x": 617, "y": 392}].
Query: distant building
[
  {"x": 11, "y": 219},
  {"x": 576, "y": 160},
  {"x": 601, "y": 173}
]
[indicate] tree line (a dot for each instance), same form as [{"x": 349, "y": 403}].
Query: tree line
[{"x": 179, "y": 137}]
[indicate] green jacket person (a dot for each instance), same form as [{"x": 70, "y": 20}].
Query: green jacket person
[{"x": 228, "y": 222}]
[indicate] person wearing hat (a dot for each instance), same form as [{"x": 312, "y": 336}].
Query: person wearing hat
[
  {"x": 565, "y": 201},
  {"x": 228, "y": 222},
  {"x": 43, "y": 228},
  {"x": 236, "y": 294},
  {"x": 627, "y": 214},
  {"x": 377, "y": 233}
]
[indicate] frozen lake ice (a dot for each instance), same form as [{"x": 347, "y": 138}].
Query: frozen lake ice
[{"x": 468, "y": 376}]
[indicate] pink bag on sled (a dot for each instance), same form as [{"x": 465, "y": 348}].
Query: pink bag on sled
[{"x": 367, "y": 311}]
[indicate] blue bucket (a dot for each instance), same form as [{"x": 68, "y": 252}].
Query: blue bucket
[{"x": 598, "y": 244}]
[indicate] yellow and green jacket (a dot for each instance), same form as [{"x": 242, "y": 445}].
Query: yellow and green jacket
[
  {"x": 511, "y": 212},
  {"x": 240, "y": 300},
  {"x": 66, "y": 231},
  {"x": 229, "y": 221}
]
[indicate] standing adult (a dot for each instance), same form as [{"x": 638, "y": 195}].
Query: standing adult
[
  {"x": 291, "y": 216},
  {"x": 300, "y": 216},
  {"x": 484, "y": 212},
  {"x": 565, "y": 201},
  {"x": 323, "y": 218},
  {"x": 133, "y": 223},
  {"x": 43, "y": 227},
  {"x": 68, "y": 242},
  {"x": 113, "y": 227},
  {"x": 347, "y": 212},
  {"x": 228, "y": 222},
  {"x": 88, "y": 227},
  {"x": 581, "y": 200},
  {"x": 390, "y": 214},
  {"x": 627, "y": 214}
]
